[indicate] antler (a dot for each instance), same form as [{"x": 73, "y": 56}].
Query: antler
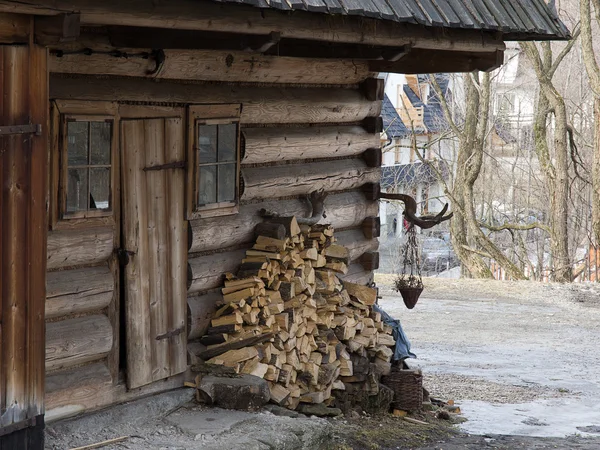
[{"x": 410, "y": 211}]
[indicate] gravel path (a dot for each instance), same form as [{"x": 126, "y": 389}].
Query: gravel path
[{"x": 520, "y": 358}]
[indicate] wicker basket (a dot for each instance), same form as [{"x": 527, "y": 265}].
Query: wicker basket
[{"x": 407, "y": 386}]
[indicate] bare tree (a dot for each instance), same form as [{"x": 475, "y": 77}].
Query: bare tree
[
  {"x": 593, "y": 71},
  {"x": 470, "y": 243},
  {"x": 556, "y": 169}
]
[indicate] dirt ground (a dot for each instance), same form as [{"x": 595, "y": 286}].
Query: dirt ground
[{"x": 521, "y": 360}]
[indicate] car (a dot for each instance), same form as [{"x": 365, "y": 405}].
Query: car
[{"x": 437, "y": 255}]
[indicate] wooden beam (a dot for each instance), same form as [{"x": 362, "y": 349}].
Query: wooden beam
[
  {"x": 76, "y": 341},
  {"x": 345, "y": 210},
  {"x": 209, "y": 65},
  {"x": 371, "y": 227},
  {"x": 373, "y": 89},
  {"x": 265, "y": 145},
  {"x": 200, "y": 311},
  {"x": 210, "y": 16},
  {"x": 207, "y": 272},
  {"x": 373, "y": 157},
  {"x": 55, "y": 29},
  {"x": 70, "y": 248},
  {"x": 261, "y": 104},
  {"x": 14, "y": 28},
  {"x": 287, "y": 180},
  {"x": 430, "y": 61},
  {"x": 79, "y": 291},
  {"x": 89, "y": 387}
]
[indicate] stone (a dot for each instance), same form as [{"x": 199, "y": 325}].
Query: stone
[
  {"x": 244, "y": 393},
  {"x": 319, "y": 410},
  {"x": 281, "y": 411}
]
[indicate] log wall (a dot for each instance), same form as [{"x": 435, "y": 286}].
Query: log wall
[{"x": 298, "y": 138}]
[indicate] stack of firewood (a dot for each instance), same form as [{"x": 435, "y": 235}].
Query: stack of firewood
[{"x": 287, "y": 318}]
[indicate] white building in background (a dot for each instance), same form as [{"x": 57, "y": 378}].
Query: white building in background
[{"x": 416, "y": 143}]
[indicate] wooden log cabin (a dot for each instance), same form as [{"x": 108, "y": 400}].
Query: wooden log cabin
[{"x": 140, "y": 139}]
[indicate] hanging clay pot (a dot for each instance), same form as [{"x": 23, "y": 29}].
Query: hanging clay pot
[{"x": 410, "y": 295}]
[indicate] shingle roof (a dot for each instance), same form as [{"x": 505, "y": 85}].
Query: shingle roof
[
  {"x": 433, "y": 115},
  {"x": 516, "y": 19},
  {"x": 392, "y": 123}
]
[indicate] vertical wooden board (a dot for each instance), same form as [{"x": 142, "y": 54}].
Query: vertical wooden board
[
  {"x": 158, "y": 261},
  {"x": 177, "y": 231},
  {"x": 137, "y": 312},
  {"x": 38, "y": 72},
  {"x": 15, "y": 213}
]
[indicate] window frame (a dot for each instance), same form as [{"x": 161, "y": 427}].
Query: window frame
[
  {"x": 63, "y": 113},
  {"x": 210, "y": 115}
]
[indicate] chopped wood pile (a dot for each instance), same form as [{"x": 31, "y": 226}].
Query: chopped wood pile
[{"x": 286, "y": 317}]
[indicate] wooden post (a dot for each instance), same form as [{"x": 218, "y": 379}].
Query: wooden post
[{"x": 23, "y": 230}]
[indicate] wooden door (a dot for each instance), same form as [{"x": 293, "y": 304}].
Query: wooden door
[{"x": 155, "y": 239}]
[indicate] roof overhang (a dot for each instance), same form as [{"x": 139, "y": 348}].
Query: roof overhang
[{"x": 407, "y": 44}]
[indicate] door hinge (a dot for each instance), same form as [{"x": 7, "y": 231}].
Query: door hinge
[
  {"x": 21, "y": 129},
  {"x": 168, "y": 334},
  {"x": 171, "y": 165}
]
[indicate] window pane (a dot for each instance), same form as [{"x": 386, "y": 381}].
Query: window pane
[
  {"x": 77, "y": 190},
  {"x": 100, "y": 188},
  {"x": 227, "y": 142},
  {"x": 226, "y": 183},
  {"x": 207, "y": 192},
  {"x": 77, "y": 143},
  {"x": 207, "y": 144},
  {"x": 100, "y": 145}
]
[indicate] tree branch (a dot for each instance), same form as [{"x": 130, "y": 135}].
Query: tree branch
[
  {"x": 445, "y": 108},
  {"x": 517, "y": 227}
]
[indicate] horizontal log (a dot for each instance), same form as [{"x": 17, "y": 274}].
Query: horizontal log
[
  {"x": 206, "y": 272},
  {"x": 201, "y": 309},
  {"x": 343, "y": 210},
  {"x": 78, "y": 291},
  {"x": 87, "y": 388},
  {"x": 14, "y": 28},
  {"x": 299, "y": 179},
  {"x": 282, "y": 144},
  {"x": 356, "y": 243},
  {"x": 207, "y": 16},
  {"x": 261, "y": 105},
  {"x": 69, "y": 248},
  {"x": 357, "y": 274},
  {"x": 77, "y": 341},
  {"x": 211, "y": 65}
]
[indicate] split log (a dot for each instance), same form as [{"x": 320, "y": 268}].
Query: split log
[
  {"x": 283, "y": 144},
  {"x": 70, "y": 248},
  {"x": 201, "y": 309},
  {"x": 261, "y": 105},
  {"x": 77, "y": 341},
  {"x": 78, "y": 291},
  {"x": 211, "y": 65},
  {"x": 299, "y": 179},
  {"x": 343, "y": 210},
  {"x": 356, "y": 243},
  {"x": 206, "y": 272}
]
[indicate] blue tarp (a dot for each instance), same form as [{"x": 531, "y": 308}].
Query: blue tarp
[{"x": 402, "y": 350}]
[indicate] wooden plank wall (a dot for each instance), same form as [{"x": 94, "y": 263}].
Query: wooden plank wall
[
  {"x": 300, "y": 135},
  {"x": 23, "y": 197}
]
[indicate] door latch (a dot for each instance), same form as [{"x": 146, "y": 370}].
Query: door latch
[{"x": 123, "y": 256}]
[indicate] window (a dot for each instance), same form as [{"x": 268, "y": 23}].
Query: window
[
  {"x": 83, "y": 157},
  {"x": 87, "y": 167},
  {"x": 214, "y": 160}
]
